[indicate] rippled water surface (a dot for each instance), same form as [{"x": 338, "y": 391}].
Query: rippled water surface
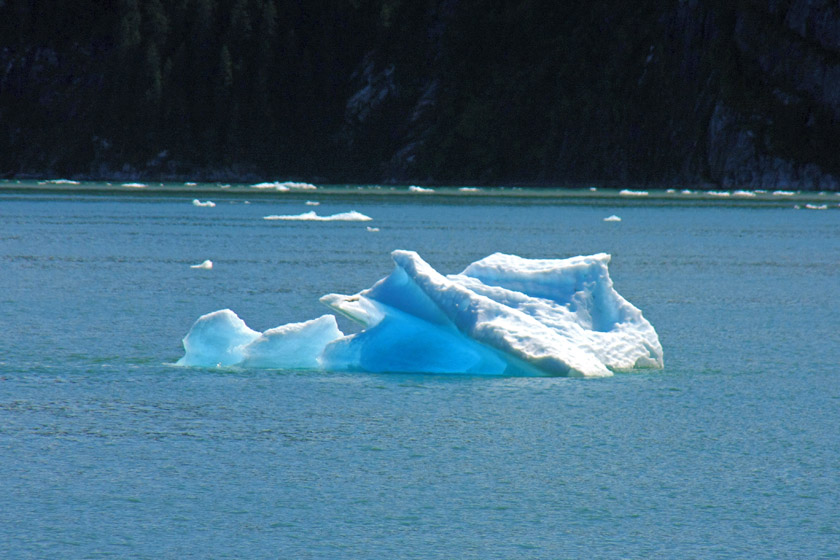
[{"x": 107, "y": 450}]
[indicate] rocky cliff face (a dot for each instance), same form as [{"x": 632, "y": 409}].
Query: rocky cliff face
[
  {"x": 742, "y": 94},
  {"x": 737, "y": 93}
]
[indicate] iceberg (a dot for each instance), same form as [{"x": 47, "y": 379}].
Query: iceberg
[
  {"x": 503, "y": 315},
  {"x": 351, "y": 216}
]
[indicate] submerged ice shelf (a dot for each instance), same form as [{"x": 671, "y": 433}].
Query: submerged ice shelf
[{"x": 503, "y": 315}]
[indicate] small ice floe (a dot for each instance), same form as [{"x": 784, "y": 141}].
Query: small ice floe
[
  {"x": 415, "y": 188},
  {"x": 190, "y": 184},
  {"x": 686, "y": 191},
  {"x": 745, "y": 194},
  {"x": 372, "y": 228},
  {"x": 351, "y": 216},
  {"x": 719, "y": 194},
  {"x": 816, "y": 206},
  {"x": 612, "y": 218},
  {"x": 628, "y": 192},
  {"x": 285, "y": 186},
  {"x": 135, "y": 185},
  {"x": 670, "y": 191},
  {"x": 592, "y": 189},
  {"x": 783, "y": 193},
  {"x": 312, "y": 203},
  {"x": 468, "y": 189},
  {"x": 63, "y": 182},
  {"x": 207, "y": 204},
  {"x": 206, "y": 265}
]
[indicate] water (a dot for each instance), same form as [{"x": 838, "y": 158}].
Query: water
[{"x": 107, "y": 450}]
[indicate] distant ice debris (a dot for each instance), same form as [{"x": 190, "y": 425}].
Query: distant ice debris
[
  {"x": 135, "y": 185},
  {"x": 503, "y": 315},
  {"x": 63, "y": 182},
  {"x": 372, "y": 228},
  {"x": 206, "y": 265},
  {"x": 208, "y": 204},
  {"x": 469, "y": 189},
  {"x": 190, "y": 184},
  {"x": 416, "y": 189},
  {"x": 628, "y": 192},
  {"x": 612, "y": 218},
  {"x": 285, "y": 186},
  {"x": 745, "y": 194},
  {"x": 816, "y": 206},
  {"x": 783, "y": 193},
  {"x": 721, "y": 194},
  {"x": 312, "y": 203},
  {"x": 351, "y": 216},
  {"x": 686, "y": 191}
]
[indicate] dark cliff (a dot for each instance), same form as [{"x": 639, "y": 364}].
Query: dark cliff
[{"x": 657, "y": 93}]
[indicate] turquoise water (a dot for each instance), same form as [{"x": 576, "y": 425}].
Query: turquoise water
[{"x": 107, "y": 450}]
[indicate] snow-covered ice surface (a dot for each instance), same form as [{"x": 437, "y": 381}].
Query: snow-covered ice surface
[{"x": 503, "y": 315}]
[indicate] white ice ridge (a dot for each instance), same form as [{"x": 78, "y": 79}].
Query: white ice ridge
[
  {"x": 285, "y": 186},
  {"x": 503, "y": 315}
]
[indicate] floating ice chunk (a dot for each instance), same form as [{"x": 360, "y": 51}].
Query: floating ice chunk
[
  {"x": 503, "y": 315},
  {"x": 745, "y": 194},
  {"x": 135, "y": 185},
  {"x": 221, "y": 338},
  {"x": 816, "y": 206},
  {"x": 63, "y": 182},
  {"x": 686, "y": 191},
  {"x": 312, "y": 203},
  {"x": 417, "y": 189},
  {"x": 628, "y": 192},
  {"x": 468, "y": 189},
  {"x": 612, "y": 218},
  {"x": 217, "y": 339},
  {"x": 721, "y": 194},
  {"x": 190, "y": 184},
  {"x": 285, "y": 186},
  {"x": 372, "y": 228},
  {"x": 292, "y": 346},
  {"x": 352, "y": 216},
  {"x": 208, "y": 204},
  {"x": 206, "y": 265},
  {"x": 783, "y": 193}
]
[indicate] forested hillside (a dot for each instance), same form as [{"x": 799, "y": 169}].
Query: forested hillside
[{"x": 449, "y": 91}]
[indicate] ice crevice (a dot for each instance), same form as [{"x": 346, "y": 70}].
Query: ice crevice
[{"x": 503, "y": 315}]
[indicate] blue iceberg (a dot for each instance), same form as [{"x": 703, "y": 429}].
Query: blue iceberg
[{"x": 503, "y": 315}]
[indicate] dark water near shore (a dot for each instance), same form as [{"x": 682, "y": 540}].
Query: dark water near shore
[{"x": 107, "y": 450}]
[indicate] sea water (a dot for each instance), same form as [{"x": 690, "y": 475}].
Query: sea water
[{"x": 108, "y": 450}]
